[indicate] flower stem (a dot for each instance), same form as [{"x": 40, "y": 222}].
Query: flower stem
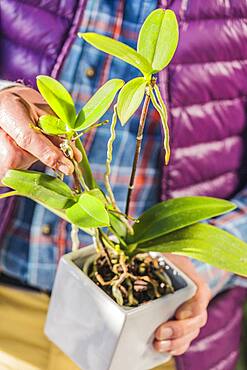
[
  {"x": 108, "y": 171},
  {"x": 138, "y": 147}
]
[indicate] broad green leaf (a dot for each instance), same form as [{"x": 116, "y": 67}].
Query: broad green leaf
[
  {"x": 119, "y": 50},
  {"x": 56, "y": 211},
  {"x": 175, "y": 214},
  {"x": 41, "y": 187},
  {"x": 52, "y": 125},
  {"x": 58, "y": 99},
  {"x": 99, "y": 103},
  {"x": 158, "y": 38},
  {"x": 130, "y": 98},
  {"x": 88, "y": 212},
  {"x": 59, "y": 213},
  {"x": 205, "y": 243}
]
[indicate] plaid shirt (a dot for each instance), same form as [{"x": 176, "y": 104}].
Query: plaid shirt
[{"x": 36, "y": 239}]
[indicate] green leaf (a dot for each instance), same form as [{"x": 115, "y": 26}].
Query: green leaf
[
  {"x": 58, "y": 98},
  {"x": 98, "y": 193},
  {"x": 61, "y": 213},
  {"x": 175, "y": 214},
  {"x": 205, "y": 243},
  {"x": 119, "y": 50},
  {"x": 99, "y": 103},
  {"x": 40, "y": 187},
  {"x": 130, "y": 98},
  {"x": 158, "y": 38},
  {"x": 89, "y": 211},
  {"x": 52, "y": 125},
  {"x": 47, "y": 204}
]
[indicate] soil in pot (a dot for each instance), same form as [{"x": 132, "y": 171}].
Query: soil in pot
[{"x": 132, "y": 282}]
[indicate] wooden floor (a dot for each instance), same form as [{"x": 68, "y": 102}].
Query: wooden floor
[{"x": 168, "y": 366}]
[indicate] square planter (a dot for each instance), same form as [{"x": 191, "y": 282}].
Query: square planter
[{"x": 97, "y": 333}]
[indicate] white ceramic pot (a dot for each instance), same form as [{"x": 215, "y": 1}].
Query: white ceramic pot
[{"x": 97, "y": 333}]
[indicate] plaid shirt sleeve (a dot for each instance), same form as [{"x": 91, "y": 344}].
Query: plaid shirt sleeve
[
  {"x": 235, "y": 223},
  {"x": 6, "y": 84}
]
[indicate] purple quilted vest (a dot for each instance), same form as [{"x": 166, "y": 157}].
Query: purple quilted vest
[
  {"x": 217, "y": 346},
  {"x": 205, "y": 88}
]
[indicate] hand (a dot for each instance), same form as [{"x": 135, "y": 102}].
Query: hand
[
  {"x": 21, "y": 145},
  {"x": 175, "y": 336}
]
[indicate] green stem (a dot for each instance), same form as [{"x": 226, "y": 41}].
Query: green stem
[
  {"x": 138, "y": 148},
  {"x": 79, "y": 186},
  {"x": 79, "y": 176},
  {"x": 9, "y": 194},
  {"x": 109, "y": 242},
  {"x": 85, "y": 166},
  {"x": 104, "y": 248},
  {"x": 79, "y": 181},
  {"x": 121, "y": 240},
  {"x": 90, "y": 128}
]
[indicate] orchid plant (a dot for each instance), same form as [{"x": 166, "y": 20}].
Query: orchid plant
[{"x": 122, "y": 265}]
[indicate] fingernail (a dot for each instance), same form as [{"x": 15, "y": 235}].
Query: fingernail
[
  {"x": 65, "y": 169},
  {"x": 166, "y": 333},
  {"x": 164, "y": 345},
  {"x": 185, "y": 315}
]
